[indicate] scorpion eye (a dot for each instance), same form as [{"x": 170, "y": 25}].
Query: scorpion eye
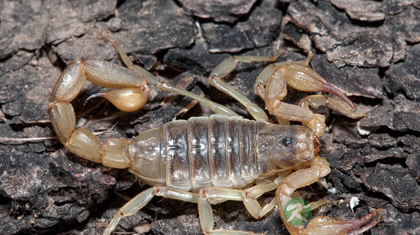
[{"x": 287, "y": 141}]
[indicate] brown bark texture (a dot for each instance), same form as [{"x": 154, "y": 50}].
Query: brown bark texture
[{"x": 368, "y": 49}]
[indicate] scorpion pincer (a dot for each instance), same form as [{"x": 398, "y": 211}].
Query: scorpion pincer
[{"x": 208, "y": 160}]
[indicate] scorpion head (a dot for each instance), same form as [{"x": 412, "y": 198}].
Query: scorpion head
[{"x": 282, "y": 147}]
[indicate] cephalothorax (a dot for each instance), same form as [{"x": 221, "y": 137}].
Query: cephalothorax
[{"x": 209, "y": 160}]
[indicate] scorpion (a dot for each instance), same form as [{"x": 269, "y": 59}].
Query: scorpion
[{"x": 210, "y": 160}]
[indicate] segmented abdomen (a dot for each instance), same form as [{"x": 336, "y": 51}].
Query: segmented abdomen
[{"x": 208, "y": 151}]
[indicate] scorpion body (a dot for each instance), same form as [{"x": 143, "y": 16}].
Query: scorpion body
[
  {"x": 209, "y": 160},
  {"x": 218, "y": 151}
]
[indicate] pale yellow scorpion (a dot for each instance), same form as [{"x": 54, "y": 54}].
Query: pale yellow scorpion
[{"x": 209, "y": 160}]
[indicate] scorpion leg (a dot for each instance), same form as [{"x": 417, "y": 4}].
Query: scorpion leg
[
  {"x": 215, "y": 195},
  {"x": 153, "y": 80},
  {"x": 319, "y": 167},
  {"x": 139, "y": 201},
  {"x": 205, "y": 198},
  {"x": 224, "y": 68}
]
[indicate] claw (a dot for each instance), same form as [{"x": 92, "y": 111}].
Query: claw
[
  {"x": 305, "y": 79},
  {"x": 325, "y": 225}
]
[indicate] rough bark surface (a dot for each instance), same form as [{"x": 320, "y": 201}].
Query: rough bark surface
[{"x": 369, "y": 49}]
